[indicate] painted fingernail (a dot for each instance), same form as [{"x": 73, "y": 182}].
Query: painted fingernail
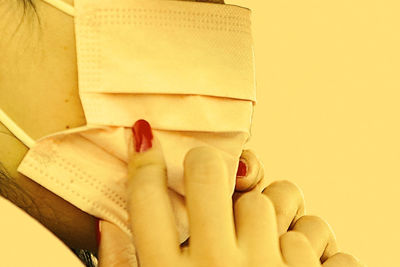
[
  {"x": 143, "y": 135},
  {"x": 98, "y": 232},
  {"x": 242, "y": 169}
]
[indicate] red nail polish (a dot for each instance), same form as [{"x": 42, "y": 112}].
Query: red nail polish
[
  {"x": 143, "y": 135},
  {"x": 242, "y": 169},
  {"x": 98, "y": 232}
]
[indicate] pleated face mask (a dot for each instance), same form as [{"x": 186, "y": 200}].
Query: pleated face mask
[{"x": 185, "y": 67}]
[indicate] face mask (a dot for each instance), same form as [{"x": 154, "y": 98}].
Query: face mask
[{"x": 185, "y": 67}]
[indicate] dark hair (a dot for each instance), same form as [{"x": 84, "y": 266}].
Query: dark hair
[
  {"x": 28, "y": 4},
  {"x": 29, "y": 11},
  {"x": 10, "y": 190}
]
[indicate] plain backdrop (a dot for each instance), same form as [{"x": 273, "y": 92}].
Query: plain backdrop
[{"x": 328, "y": 113}]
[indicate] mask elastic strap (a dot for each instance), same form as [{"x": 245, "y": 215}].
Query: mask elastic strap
[
  {"x": 62, "y": 6},
  {"x": 16, "y": 130}
]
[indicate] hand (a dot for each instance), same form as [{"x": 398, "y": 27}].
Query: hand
[
  {"x": 219, "y": 237},
  {"x": 288, "y": 202},
  {"x": 261, "y": 216}
]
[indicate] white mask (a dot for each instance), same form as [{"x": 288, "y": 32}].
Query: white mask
[{"x": 185, "y": 67}]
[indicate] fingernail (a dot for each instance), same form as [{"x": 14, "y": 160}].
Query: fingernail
[
  {"x": 242, "y": 169},
  {"x": 143, "y": 135},
  {"x": 98, "y": 232}
]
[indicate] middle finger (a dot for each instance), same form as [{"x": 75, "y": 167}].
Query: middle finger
[{"x": 209, "y": 203}]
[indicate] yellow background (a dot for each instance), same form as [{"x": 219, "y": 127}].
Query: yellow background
[{"x": 328, "y": 112}]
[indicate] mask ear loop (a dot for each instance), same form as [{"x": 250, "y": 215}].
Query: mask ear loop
[
  {"x": 62, "y": 6},
  {"x": 16, "y": 130}
]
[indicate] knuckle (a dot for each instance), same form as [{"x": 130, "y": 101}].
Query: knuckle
[
  {"x": 204, "y": 165},
  {"x": 143, "y": 196},
  {"x": 151, "y": 163},
  {"x": 285, "y": 188},
  {"x": 253, "y": 200},
  {"x": 266, "y": 202},
  {"x": 148, "y": 173},
  {"x": 201, "y": 153},
  {"x": 315, "y": 222},
  {"x": 244, "y": 200},
  {"x": 294, "y": 237},
  {"x": 146, "y": 181}
]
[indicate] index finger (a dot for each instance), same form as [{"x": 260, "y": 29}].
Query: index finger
[{"x": 152, "y": 220}]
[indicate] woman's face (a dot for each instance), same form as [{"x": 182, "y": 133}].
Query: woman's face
[{"x": 39, "y": 91}]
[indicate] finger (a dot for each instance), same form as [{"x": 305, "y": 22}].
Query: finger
[
  {"x": 255, "y": 223},
  {"x": 115, "y": 248},
  {"x": 254, "y": 179},
  {"x": 342, "y": 260},
  {"x": 297, "y": 251},
  {"x": 253, "y": 169},
  {"x": 209, "y": 202},
  {"x": 319, "y": 234},
  {"x": 149, "y": 207},
  {"x": 288, "y": 201}
]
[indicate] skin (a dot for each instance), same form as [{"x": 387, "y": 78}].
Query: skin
[{"x": 39, "y": 91}]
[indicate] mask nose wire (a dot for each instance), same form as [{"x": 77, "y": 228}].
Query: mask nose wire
[
  {"x": 16, "y": 130},
  {"x": 62, "y": 6}
]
